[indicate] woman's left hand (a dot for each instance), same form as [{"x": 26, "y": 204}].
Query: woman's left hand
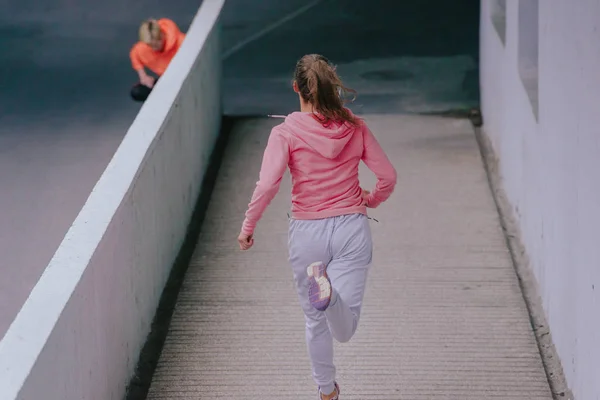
[{"x": 365, "y": 196}]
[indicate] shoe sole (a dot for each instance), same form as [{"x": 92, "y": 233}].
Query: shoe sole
[
  {"x": 319, "y": 289},
  {"x": 337, "y": 395}
]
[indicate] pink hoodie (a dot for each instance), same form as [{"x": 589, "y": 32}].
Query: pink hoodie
[{"x": 323, "y": 162}]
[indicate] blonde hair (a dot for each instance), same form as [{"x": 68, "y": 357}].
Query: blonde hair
[{"x": 149, "y": 31}]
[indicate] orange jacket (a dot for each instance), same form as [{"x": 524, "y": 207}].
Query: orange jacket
[{"x": 142, "y": 54}]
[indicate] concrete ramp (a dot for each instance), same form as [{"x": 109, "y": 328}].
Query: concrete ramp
[{"x": 444, "y": 317}]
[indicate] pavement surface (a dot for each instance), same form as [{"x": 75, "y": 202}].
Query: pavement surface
[{"x": 443, "y": 317}]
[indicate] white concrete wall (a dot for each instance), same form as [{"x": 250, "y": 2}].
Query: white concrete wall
[
  {"x": 551, "y": 166},
  {"x": 79, "y": 334}
]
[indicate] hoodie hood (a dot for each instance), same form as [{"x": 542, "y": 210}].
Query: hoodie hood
[
  {"x": 328, "y": 141},
  {"x": 170, "y": 40}
]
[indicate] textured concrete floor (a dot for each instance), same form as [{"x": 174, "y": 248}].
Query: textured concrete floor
[{"x": 443, "y": 317}]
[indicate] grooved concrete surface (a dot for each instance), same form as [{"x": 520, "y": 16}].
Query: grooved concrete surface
[{"x": 443, "y": 316}]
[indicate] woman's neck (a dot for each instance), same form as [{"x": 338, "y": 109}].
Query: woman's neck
[{"x": 306, "y": 107}]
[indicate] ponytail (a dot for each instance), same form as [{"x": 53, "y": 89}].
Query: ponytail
[{"x": 320, "y": 85}]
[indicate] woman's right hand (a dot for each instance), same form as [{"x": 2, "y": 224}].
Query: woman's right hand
[{"x": 245, "y": 241}]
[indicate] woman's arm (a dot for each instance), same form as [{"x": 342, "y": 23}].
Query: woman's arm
[
  {"x": 275, "y": 161},
  {"x": 377, "y": 161},
  {"x": 134, "y": 56}
]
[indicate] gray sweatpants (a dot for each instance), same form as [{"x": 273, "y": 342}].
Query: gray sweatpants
[{"x": 344, "y": 244}]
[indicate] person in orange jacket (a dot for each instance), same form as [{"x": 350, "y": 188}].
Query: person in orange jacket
[{"x": 159, "y": 41}]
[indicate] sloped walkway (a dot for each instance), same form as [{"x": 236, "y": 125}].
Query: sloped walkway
[{"x": 444, "y": 317}]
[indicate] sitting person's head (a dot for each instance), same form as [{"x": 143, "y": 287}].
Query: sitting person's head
[
  {"x": 151, "y": 34},
  {"x": 320, "y": 89}
]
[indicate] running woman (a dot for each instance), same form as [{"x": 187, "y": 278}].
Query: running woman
[
  {"x": 329, "y": 234},
  {"x": 159, "y": 42}
]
